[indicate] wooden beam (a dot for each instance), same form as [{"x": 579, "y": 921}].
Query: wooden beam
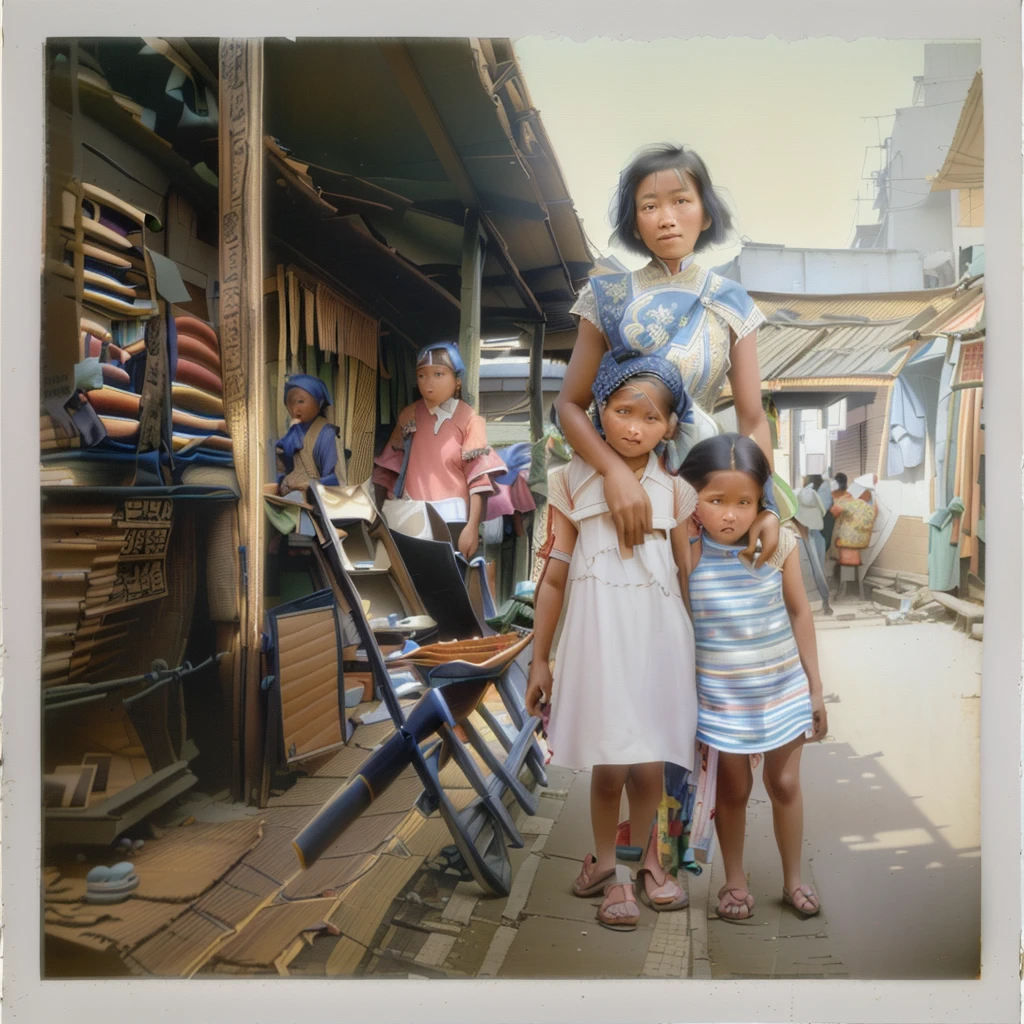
[
  {"x": 244, "y": 372},
  {"x": 399, "y": 60},
  {"x": 469, "y": 313},
  {"x": 501, "y": 252},
  {"x": 537, "y": 383}
]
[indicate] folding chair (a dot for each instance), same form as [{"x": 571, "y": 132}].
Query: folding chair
[{"x": 457, "y": 676}]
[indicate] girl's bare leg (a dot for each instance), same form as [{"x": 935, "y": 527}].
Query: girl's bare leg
[
  {"x": 733, "y": 791},
  {"x": 644, "y": 787},
  {"x": 606, "y": 782},
  {"x": 782, "y": 780}
]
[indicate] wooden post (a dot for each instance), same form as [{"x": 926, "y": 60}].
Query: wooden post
[
  {"x": 469, "y": 317},
  {"x": 537, "y": 382},
  {"x": 241, "y": 339}
]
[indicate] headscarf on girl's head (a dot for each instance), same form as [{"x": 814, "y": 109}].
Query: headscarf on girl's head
[
  {"x": 311, "y": 385},
  {"x": 450, "y": 350},
  {"x": 612, "y": 374}
]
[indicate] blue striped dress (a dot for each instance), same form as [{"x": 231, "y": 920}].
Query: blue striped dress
[{"x": 752, "y": 692}]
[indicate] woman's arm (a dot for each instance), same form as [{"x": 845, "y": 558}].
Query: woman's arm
[
  {"x": 745, "y": 381},
  {"x": 627, "y": 500},
  {"x": 802, "y": 620},
  {"x": 548, "y": 603}
]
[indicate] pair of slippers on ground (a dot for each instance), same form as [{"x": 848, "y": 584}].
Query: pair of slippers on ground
[
  {"x": 111, "y": 884},
  {"x": 620, "y": 911},
  {"x": 737, "y": 905}
]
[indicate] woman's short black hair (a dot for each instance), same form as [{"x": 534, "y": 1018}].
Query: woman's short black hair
[
  {"x": 721, "y": 452},
  {"x": 666, "y": 157},
  {"x": 840, "y": 479}
]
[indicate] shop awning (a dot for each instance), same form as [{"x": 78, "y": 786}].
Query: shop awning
[
  {"x": 966, "y": 314},
  {"x": 441, "y": 125},
  {"x": 839, "y": 343},
  {"x": 964, "y": 166}
]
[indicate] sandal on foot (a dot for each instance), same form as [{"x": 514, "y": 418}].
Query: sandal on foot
[
  {"x": 587, "y": 884},
  {"x": 808, "y": 898},
  {"x": 667, "y": 896},
  {"x": 736, "y": 897},
  {"x": 619, "y": 893}
]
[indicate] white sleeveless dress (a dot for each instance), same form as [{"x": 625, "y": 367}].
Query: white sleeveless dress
[{"x": 624, "y": 687}]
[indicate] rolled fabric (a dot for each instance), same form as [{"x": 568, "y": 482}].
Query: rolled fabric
[
  {"x": 94, "y": 346},
  {"x": 120, "y": 429},
  {"x": 198, "y": 376},
  {"x": 191, "y": 422},
  {"x": 197, "y": 400},
  {"x": 220, "y": 444},
  {"x": 190, "y": 347},
  {"x": 110, "y": 401},
  {"x": 198, "y": 329},
  {"x": 115, "y": 376}
]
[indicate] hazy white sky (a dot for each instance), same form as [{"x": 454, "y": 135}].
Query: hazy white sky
[{"x": 779, "y": 124}]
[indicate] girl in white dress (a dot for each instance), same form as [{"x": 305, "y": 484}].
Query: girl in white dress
[{"x": 623, "y": 696}]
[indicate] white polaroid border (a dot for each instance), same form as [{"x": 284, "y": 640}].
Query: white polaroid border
[{"x": 993, "y": 998}]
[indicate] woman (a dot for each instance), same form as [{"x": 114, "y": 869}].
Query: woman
[{"x": 667, "y": 208}]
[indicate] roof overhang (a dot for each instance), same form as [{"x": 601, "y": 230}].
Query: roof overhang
[{"x": 964, "y": 166}]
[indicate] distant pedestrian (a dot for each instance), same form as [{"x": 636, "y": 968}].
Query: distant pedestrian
[
  {"x": 758, "y": 685},
  {"x": 622, "y": 698}
]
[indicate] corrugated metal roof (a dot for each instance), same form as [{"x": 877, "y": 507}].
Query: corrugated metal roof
[
  {"x": 836, "y": 336},
  {"x": 873, "y": 307}
]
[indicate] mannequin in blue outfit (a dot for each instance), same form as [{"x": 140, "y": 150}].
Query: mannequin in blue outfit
[{"x": 309, "y": 449}]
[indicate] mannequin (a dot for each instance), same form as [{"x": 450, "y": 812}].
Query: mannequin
[
  {"x": 309, "y": 449},
  {"x": 450, "y": 463}
]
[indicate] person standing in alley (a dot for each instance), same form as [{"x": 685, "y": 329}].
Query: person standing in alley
[
  {"x": 622, "y": 700},
  {"x": 758, "y": 686}
]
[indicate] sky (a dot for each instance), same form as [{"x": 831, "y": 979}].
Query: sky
[{"x": 782, "y": 126}]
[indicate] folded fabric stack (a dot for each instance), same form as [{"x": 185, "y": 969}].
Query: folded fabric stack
[
  {"x": 197, "y": 406},
  {"x": 117, "y": 281},
  {"x": 81, "y": 548}
]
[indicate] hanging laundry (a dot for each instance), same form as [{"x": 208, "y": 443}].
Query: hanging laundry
[{"x": 906, "y": 428}]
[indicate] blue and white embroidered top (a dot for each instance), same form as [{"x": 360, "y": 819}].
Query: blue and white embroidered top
[{"x": 689, "y": 318}]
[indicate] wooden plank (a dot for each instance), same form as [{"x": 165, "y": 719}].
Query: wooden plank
[
  {"x": 469, "y": 312},
  {"x": 242, "y": 357},
  {"x": 537, "y": 383}
]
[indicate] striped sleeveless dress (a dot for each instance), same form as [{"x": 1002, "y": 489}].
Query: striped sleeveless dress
[{"x": 752, "y": 693}]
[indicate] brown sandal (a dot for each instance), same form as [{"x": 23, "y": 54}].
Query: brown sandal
[
  {"x": 586, "y": 884},
  {"x": 732, "y": 893},
  {"x": 808, "y": 894},
  {"x": 619, "y": 893},
  {"x": 676, "y": 900}
]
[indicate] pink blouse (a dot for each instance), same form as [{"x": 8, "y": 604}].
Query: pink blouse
[{"x": 454, "y": 462}]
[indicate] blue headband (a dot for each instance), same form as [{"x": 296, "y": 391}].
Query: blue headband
[
  {"x": 443, "y": 346},
  {"x": 310, "y": 384},
  {"x": 611, "y": 375}
]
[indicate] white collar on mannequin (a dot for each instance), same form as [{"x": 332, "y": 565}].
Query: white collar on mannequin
[{"x": 443, "y": 412}]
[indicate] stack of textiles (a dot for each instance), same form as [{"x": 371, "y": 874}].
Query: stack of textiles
[
  {"x": 81, "y": 547},
  {"x": 117, "y": 281},
  {"x": 197, "y": 406}
]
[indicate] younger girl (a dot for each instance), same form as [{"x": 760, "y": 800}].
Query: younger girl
[
  {"x": 758, "y": 687},
  {"x": 622, "y": 698}
]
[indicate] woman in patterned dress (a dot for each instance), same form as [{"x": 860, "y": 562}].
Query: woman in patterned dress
[
  {"x": 758, "y": 686},
  {"x": 666, "y": 208}
]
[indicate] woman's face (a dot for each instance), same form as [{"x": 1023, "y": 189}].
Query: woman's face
[
  {"x": 301, "y": 405},
  {"x": 436, "y": 382},
  {"x": 670, "y": 214},
  {"x": 728, "y": 504}
]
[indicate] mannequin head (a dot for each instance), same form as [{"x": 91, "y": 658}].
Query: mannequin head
[
  {"x": 438, "y": 373},
  {"x": 305, "y": 397}
]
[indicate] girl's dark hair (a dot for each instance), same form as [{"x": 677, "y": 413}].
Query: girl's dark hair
[
  {"x": 840, "y": 478},
  {"x": 724, "y": 451},
  {"x": 666, "y": 157}
]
